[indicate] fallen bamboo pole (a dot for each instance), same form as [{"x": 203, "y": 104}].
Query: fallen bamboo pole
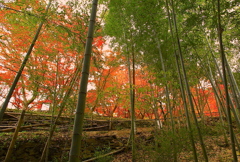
[
  {"x": 101, "y": 156},
  {"x": 23, "y": 127}
]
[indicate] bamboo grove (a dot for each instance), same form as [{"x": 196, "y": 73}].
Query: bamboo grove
[{"x": 174, "y": 61}]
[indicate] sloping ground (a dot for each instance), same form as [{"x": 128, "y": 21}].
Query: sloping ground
[
  {"x": 33, "y": 135},
  {"x": 42, "y": 122},
  {"x": 30, "y": 144},
  {"x": 31, "y": 141},
  {"x": 213, "y": 134}
]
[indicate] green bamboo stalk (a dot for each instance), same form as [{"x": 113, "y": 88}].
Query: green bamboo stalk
[
  {"x": 75, "y": 152},
  {"x": 189, "y": 127},
  {"x": 133, "y": 126},
  {"x": 131, "y": 94},
  {"x": 14, "y": 138},
  {"x": 155, "y": 109},
  {"x": 222, "y": 121},
  {"x": 197, "y": 107},
  {"x": 234, "y": 81},
  {"x": 230, "y": 74},
  {"x": 61, "y": 108},
  {"x": 5, "y": 104},
  {"x": 220, "y": 30},
  {"x": 168, "y": 99},
  {"x": 233, "y": 87},
  {"x": 236, "y": 116},
  {"x": 186, "y": 84},
  {"x": 217, "y": 89},
  {"x": 46, "y": 148}
]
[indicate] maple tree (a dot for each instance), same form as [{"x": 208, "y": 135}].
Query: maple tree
[
  {"x": 57, "y": 53},
  {"x": 49, "y": 69}
]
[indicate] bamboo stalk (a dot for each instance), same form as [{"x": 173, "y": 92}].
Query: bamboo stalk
[
  {"x": 17, "y": 77},
  {"x": 101, "y": 156},
  {"x": 14, "y": 138},
  {"x": 187, "y": 85},
  {"x": 75, "y": 152},
  {"x": 189, "y": 127},
  {"x": 220, "y": 30},
  {"x": 62, "y": 106}
]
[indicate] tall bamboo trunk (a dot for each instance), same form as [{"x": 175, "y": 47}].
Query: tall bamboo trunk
[
  {"x": 233, "y": 86},
  {"x": 220, "y": 30},
  {"x": 75, "y": 152},
  {"x": 54, "y": 104},
  {"x": 133, "y": 126},
  {"x": 190, "y": 131},
  {"x": 234, "y": 89},
  {"x": 168, "y": 100},
  {"x": 132, "y": 102},
  {"x": 14, "y": 138},
  {"x": 233, "y": 83},
  {"x": 61, "y": 108},
  {"x": 186, "y": 84},
  {"x": 159, "y": 124}
]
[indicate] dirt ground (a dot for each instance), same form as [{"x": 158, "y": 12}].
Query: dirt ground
[{"x": 147, "y": 149}]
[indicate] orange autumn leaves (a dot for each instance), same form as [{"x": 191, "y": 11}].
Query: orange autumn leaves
[
  {"x": 58, "y": 52},
  {"x": 56, "y": 55}
]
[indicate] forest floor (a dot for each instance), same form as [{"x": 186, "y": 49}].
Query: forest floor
[
  {"x": 151, "y": 145},
  {"x": 217, "y": 151}
]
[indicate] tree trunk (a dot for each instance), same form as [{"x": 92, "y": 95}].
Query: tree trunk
[
  {"x": 14, "y": 138},
  {"x": 75, "y": 151},
  {"x": 61, "y": 107},
  {"x": 220, "y": 30},
  {"x": 168, "y": 99},
  {"x": 182, "y": 88}
]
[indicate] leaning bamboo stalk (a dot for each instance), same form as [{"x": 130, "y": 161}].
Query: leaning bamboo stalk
[
  {"x": 102, "y": 156},
  {"x": 187, "y": 85},
  {"x": 22, "y": 127},
  {"x": 233, "y": 88},
  {"x": 75, "y": 152},
  {"x": 46, "y": 148},
  {"x": 220, "y": 30},
  {"x": 224, "y": 98},
  {"x": 5, "y": 104},
  {"x": 14, "y": 138},
  {"x": 230, "y": 74},
  {"x": 168, "y": 99},
  {"x": 234, "y": 110},
  {"x": 233, "y": 83},
  {"x": 17, "y": 77},
  {"x": 182, "y": 87},
  {"x": 61, "y": 107},
  {"x": 233, "y": 80}
]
